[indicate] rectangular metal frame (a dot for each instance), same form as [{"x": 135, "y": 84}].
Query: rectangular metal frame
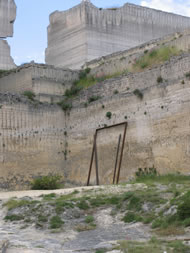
[{"x": 94, "y": 153}]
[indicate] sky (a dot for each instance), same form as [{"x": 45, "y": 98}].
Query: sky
[{"x": 30, "y": 28}]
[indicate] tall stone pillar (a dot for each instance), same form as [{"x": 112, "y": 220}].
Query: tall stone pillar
[{"x": 7, "y": 18}]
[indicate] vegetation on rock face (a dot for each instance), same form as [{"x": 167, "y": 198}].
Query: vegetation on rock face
[
  {"x": 29, "y": 94},
  {"x": 66, "y": 106},
  {"x": 46, "y": 183},
  {"x": 93, "y": 98},
  {"x": 154, "y": 57},
  {"x": 138, "y": 93},
  {"x": 109, "y": 115}
]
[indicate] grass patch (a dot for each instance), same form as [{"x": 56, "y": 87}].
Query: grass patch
[
  {"x": 13, "y": 203},
  {"x": 163, "y": 179},
  {"x": 56, "y": 222},
  {"x": 83, "y": 204},
  {"x": 153, "y": 245},
  {"x": 131, "y": 217},
  {"x": 155, "y": 56},
  {"x": 13, "y": 217}
]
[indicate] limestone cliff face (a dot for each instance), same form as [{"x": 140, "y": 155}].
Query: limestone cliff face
[
  {"x": 7, "y": 18},
  {"x": 85, "y": 32},
  {"x": 40, "y": 139}
]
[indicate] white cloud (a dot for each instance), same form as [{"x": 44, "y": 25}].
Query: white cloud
[{"x": 176, "y": 6}]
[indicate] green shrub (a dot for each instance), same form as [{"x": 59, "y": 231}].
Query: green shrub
[
  {"x": 87, "y": 70},
  {"x": 93, "y": 98},
  {"x": 187, "y": 74},
  {"x": 115, "y": 92},
  {"x": 184, "y": 208},
  {"x": 108, "y": 115},
  {"x": 56, "y": 222},
  {"x": 46, "y": 183},
  {"x": 131, "y": 217},
  {"x": 73, "y": 91},
  {"x": 159, "y": 79},
  {"x": 65, "y": 106},
  {"x": 29, "y": 94},
  {"x": 89, "y": 219},
  {"x": 138, "y": 93}
]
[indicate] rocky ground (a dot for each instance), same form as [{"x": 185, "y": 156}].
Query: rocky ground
[{"x": 139, "y": 217}]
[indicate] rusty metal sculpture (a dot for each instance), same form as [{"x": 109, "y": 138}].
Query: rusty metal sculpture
[{"x": 94, "y": 153}]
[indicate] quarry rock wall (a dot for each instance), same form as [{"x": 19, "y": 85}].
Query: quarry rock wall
[
  {"x": 7, "y": 18},
  {"x": 41, "y": 139},
  {"x": 88, "y": 32},
  {"x": 47, "y": 82},
  {"x": 122, "y": 61}
]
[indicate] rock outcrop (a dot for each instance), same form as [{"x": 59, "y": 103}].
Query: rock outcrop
[{"x": 7, "y": 18}]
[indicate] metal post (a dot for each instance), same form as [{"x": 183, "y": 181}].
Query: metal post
[
  {"x": 121, "y": 156},
  {"x": 116, "y": 161},
  {"x": 96, "y": 163},
  {"x": 91, "y": 161}
]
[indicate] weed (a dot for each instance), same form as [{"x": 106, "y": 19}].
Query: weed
[
  {"x": 46, "y": 183},
  {"x": 56, "y": 222},
  {"x": 145, "y": 113},
  {"x": 182, "y": 82},
  {"x": 42, "y": 218},
  {"x": 184, "y": 207},
  {"x": 108, "y": 115},
  {"x": 73, "y": 91},
  {"x": 89, "y": 219},
  {"x": 115, "y": 92},
  {"x": 187, "y": 75},
  {"x": 82, "y": 204},
  {"x": 29, "y": 94},
  {"x": 138, "y": 93},
  {"x": 65, "y": 106},
  {"x": 13, "y": 217},
  {"x": 131, "y": 217},
  {"x": 103, "y": 106},
  {"x": 125, "y": 117},
  {"x": 93, "y": 98},
  {"x": 159, "y": 79}
]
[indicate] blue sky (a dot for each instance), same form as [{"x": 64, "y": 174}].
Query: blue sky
[{"x": 30, "y": 28}]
